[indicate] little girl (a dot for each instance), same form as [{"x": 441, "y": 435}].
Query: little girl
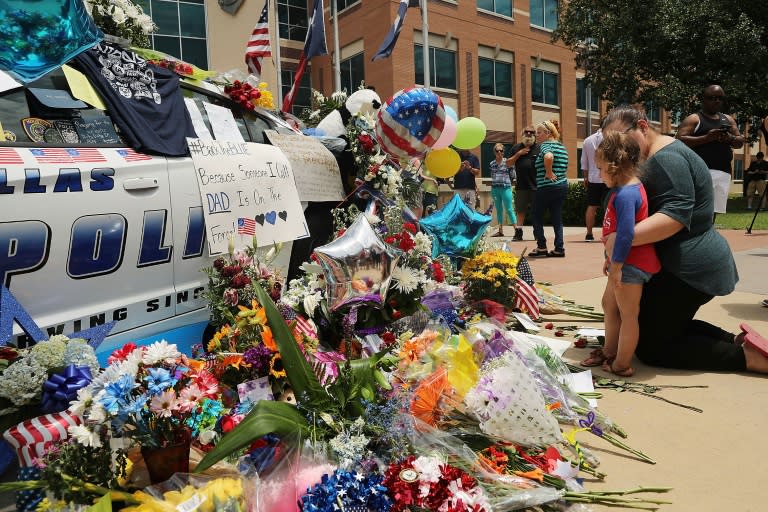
[{"x": 627, "y": 268}]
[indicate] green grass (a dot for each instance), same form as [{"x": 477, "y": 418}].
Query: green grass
[{"x": 738, "y": 217}]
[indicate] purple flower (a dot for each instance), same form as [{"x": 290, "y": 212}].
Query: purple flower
[{"x": 258, "y": 357}]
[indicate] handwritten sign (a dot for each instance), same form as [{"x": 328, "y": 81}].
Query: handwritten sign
[
  {"x": 95, "y": 130},
  {"x": 247, "y": 189},
  {"x": 316, "y": 171}
]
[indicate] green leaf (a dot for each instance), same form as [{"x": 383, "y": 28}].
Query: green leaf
[
  {"x": 299, "y": 373},
  {"x": 267, "y": 417}
]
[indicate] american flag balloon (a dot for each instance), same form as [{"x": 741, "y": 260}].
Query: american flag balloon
[
  {"x": 31, "y": 438},
  {"x": 410, "y": 122}
]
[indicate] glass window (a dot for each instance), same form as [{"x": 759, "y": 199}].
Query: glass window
[
  {"x": 442, "y": 65},
  {"x": 293, "y": 18},
  {"x": 544, "y": 13},
  {"x": 303, "y": 98},
  {"x": 181, "y": 29},
  {"x": 352, "y": 72},
  {"x": 495, "y": 77},
  {"x": 343, "y": 4},
  {"x": 652, "y": 112},
  {"x": 544, "y": 87},
  {"x": 503, "y": 7},
  {"x": 581, "y": 96}
]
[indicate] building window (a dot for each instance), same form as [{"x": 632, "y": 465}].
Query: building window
[
  {"x": 343, "y": 4},
  {"x": 293, "y": 18},
  {"x": 652, "y": 112},
  {"x": 503, "y": 7},
  {"x": 303, "y": 98},
  {"x": 442, "y": 67},
  {"x": 495, "y": 77},
  {"x": 544, "y": 14},
  {"x": 581, "y": 96},
  {"x": 352, "y": 72},
  {"x": 180, "y": 29},
  {"x": 544, "y": 87}
]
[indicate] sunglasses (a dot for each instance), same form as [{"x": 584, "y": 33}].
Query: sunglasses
[
  {"x": 499, "y": 150},
  {"x": 527, "y": 132}
]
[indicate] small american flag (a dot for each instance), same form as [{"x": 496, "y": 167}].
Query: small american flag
[
  {"x": 526, "y": 298},
  {"x": 130, "y": 155},
  {"x": 304, "y": 326},
  {"x": 246, "y": 226},
  {"x": 10, "y": 156},
  {"x": 258, "y": 45},
  {"x": 67, "y": 155}
]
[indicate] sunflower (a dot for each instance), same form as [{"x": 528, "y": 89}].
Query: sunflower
[
  {"x": 276, "y": 368},
  {"x": 215, "y": 343}
]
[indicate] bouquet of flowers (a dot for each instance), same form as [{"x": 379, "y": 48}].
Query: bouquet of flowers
[
  {"x": 147, "y": 394},
  {"x": 322, "y": 106},
  {"x": 193, "y": 492},
  {"x": 25, "y": 373},
  {"x": 491, "y": 275},
  {"x": 122, "y": 18},
  {"x": 249, "y": 96}
]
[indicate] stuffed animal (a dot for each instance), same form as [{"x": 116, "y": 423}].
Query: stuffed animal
[{"x": 335, "y": 123}]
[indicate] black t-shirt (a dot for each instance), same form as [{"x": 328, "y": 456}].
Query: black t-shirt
[
  {"x": 525, "y": 167},
  {"x": 145, "y": 101},
  {"x": 760, "y": 167},
  {"x": 464, "y": 179}
]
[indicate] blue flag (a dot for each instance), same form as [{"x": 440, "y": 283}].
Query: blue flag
[
  {"x": 385, "y": 50},
  {"x": 314, "y": 45}
]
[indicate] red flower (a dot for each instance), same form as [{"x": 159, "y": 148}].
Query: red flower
[
  {"x": 406, "y": 242},
  {"x": 437, "y": 272},
  {"x": 240, "y": 281},
  {"x": 388, "y": 338},
  {"x": 231, "y": 270},
  {"x": 227, "y": 423},
  {"x": 8, "y": 354},
  {"x": 122, "y": 353},
  {"x": 580, "y": 343},
  {"x": 366, "y": 142},
  {"x": 219, "y": 264},
  {"x": 549, "y": 325},
  {"x": 410, "y": 227}
]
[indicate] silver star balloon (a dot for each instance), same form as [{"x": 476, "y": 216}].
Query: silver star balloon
[{"x": 357, "y": 266}]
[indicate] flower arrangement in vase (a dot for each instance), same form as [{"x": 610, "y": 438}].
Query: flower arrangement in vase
[{"x": 122, "y": 19}]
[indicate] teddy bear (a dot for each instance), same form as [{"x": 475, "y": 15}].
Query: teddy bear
[{"x": 364, "y": 101}]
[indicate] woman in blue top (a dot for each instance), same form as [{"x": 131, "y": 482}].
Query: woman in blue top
[
  {"x": 502, "y": 177},
  {"x": 551, "y": 188}
]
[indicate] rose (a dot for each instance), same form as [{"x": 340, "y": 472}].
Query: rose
[
  {"x": 240, "y": 281},
  {"x": 366, "y": 142},
  {"x": 231, "y": 270}
]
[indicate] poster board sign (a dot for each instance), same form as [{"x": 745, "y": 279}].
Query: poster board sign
[
  {"x": 247, "y": 189},
  {"x": 316, "y": 171}
]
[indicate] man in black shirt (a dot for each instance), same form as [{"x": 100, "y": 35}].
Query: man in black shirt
[
  {"x": 523, "y": 156},
  {"x": 464, "y": 180},
  {"x": 756, "y": 174}
]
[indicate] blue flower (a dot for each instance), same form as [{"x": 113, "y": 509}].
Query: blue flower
[
  {"x": 158, "y": 380},
  {"x": 116, "y": 393}
]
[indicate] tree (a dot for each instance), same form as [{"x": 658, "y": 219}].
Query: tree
[{"x": 664, "y": 52}]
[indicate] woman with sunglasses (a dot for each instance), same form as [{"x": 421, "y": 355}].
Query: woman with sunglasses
[
  {"x": 502, "y": 177},
  {"x": 696, "y": 261},
  {"x": 551, "y": 188}
]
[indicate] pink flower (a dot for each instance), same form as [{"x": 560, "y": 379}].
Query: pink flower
[
  {"x": 206, "y": 383},
  {"x": 189, "y": 398},
  {"x": 230, "y": 297},
  {"x": 164, "y": 404}
]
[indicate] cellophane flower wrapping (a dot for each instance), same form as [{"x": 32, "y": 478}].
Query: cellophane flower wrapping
[{"x": 199, "y": 493}]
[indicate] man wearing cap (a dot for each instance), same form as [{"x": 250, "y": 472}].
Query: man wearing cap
[{"x": 756, "y": 174}]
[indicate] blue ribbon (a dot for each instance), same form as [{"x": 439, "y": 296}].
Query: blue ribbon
[
  {"x": 590, "y": 424},
  {"x": 61, "y": 388}
]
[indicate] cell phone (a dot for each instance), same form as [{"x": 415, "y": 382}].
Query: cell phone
[{"x": 725, "y": 128}]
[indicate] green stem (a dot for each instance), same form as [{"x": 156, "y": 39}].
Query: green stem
[{"x": 615, "y": 442}]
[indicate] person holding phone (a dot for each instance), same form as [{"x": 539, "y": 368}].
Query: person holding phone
[{"x": 713, "y": 136}]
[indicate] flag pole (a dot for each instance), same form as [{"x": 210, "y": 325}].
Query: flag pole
[
  {"x": 276, "y": 53},
  {"x": 425, "y": 44},
  {"x": 336, "y": 52}
]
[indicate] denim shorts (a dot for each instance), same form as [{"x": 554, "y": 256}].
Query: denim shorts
[{"x": 633, "y": 275}]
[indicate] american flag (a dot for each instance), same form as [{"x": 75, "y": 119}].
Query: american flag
[
  {"x": 32, "y": 437},
  {"x": 526, "y": 298},
  {"x": 130, "y": 155},
  {"x": 314, "y": 45},
  {"x": 304, "y": 326},
  {"x": 246, "y": 226},
  {"x": 10, "y": 156},
  {"x": 385, "y": 50},
  {"x": 67, "y": 155},
  {"x": 258, "y": 45}
]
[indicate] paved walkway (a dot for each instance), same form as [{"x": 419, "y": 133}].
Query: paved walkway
[{"x": 715, "y": 460}]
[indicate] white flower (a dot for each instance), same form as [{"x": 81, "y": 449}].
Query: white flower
[
  {"x": 97, "y": 414},
  {"x": 405, "y": 279},
  {"x": 82, "y": 403},
  {"x": 118, "y": 15},
  {"x": 160, "y": 351},
  {"x": 84, "y": 436},
  {"x": 206, "y": 436},
  {"x": 423, "y": 243},
  {"x": 311, "y": 301},
  {"x": 372, "y": 219}
]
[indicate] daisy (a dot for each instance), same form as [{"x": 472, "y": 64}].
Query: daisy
[
  {"x": 406, "y": 279},
  {"x": 158, "y": 380},
  {"x": 82, "y": 403},
  {"x": 84, "y": 436},
  {"x": 160, "y": 351},
  {"x": 189, "y": 398},
  {"x": 163, "y": 405}
]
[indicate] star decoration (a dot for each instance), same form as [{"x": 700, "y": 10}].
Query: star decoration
[
  {"x": 455, "y": 229},
  {"x": 358, "y": 266}
]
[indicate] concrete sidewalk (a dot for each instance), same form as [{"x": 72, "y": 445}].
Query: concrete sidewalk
[{"x": 714, "y": 460}]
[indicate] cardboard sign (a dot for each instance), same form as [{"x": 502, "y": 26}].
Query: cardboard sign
[
  {"x": 316, "y": 171},
  {"x": 247, "y": 189}
]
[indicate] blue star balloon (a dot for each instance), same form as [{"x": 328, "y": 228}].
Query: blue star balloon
[
  {"x": 455, "y": 229},
  {"x": 37, "y": 37}
]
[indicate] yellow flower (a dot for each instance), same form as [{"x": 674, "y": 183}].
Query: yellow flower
[{"x": 276, "y": 369}]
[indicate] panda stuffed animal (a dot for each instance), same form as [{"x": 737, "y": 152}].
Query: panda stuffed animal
[{"x": 364, "y": 101}]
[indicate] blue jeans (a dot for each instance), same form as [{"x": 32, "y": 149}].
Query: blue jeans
[
  {"x": 502, "y": 201},
  {"x": 549, "y": 198}
]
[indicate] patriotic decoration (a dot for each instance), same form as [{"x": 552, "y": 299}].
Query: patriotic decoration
[
  {"x": 314, "y": 46},
  {"x": 246, "y": 226},
  {"x": 302, "y": 325},
  {"x": 32, "y": 437},
  {"x": 526, "y": 298},
  {"x": 385, "y": 50},
  {"x": 410, "y": 122},
  {"x": 10, "y": 156},
  {"x": 130, "y": 155},
  {"x": 259, "y": 45},
  {"x": 67, "y": 155}
]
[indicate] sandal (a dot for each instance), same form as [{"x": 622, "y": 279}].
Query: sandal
[
  {"x": 556, "y": 254},
  {"x": 538, "y": 253},
  {"x": 596, "y": 358},
  {"x": 621, "y": 372},
  {"x": 753, "y": 339}
]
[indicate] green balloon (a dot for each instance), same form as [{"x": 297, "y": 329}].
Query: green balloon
[{"x": 470, "y": 133}]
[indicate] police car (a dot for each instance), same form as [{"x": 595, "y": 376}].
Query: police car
[{"x": 92, "y": 232}]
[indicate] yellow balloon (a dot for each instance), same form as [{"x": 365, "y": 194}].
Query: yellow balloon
[{"x": 443, "y": 163}]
